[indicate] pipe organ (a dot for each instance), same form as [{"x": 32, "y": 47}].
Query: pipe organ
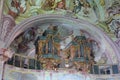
[{"x": 79, "y": 52}]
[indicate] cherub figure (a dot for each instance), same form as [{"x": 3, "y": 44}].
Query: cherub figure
[
  {"x": 77, "y": 6},
  {"x": 48, "y": 5},
  {"x": 61, "y": 4},
  {"x": 47, "y": 64}
]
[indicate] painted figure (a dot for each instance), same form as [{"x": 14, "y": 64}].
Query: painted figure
[
  {"x": 29, "y": 35},
  {"x": 48, "y": 5},
  {"x": 61, "y": 4},
  {"x": 22, "y": 47},
  {"x": 47, "y": 64},
  {"x": 114, "y": 9},
  {"x": 95, "y": 8},
  {"x": 116, "y": 25},
  {"x": 77, "y": 6},
  {"x": 16, "y": 7},
  {"x": 50, "y": 64}
]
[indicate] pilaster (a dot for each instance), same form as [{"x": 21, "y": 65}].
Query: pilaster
[
  {"x": 1, "y": 69},
  {"x": 1, "y": 13}
]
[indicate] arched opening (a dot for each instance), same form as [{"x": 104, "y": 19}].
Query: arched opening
[{"x": 58, "y": 34}]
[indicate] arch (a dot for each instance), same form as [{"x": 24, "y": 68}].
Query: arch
[{"x": 105, "y": 42}]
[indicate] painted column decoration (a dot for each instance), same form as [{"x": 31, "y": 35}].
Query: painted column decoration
[{"x": 8, "y": 24}]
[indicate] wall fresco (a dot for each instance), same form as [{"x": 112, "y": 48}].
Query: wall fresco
[{"x": 103, "y": 13}]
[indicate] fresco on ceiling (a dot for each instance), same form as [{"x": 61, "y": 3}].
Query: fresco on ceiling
[
  {"x": 103, "y": 13},
  {"x": 49, "y": 43}
]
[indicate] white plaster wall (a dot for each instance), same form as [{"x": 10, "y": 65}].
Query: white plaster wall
[
  {"x": 2, "y": 44},
  {"x": 14, "y": 73}
]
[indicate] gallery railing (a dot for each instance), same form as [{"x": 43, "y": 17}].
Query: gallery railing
[
  {"x": 24, "y": 62},
  {"x": 32, "y": 63}
]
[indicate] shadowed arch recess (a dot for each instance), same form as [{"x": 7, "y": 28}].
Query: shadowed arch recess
[{"x": 105, "y": 42}]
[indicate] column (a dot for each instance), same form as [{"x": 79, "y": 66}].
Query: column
[{"x": 4, "y": 56}]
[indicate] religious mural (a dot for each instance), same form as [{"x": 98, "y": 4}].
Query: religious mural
[
  {"x": 54, "y": 46},
  {"x": 57, "y": 47},
  {"x": 103, "y": 13}
]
